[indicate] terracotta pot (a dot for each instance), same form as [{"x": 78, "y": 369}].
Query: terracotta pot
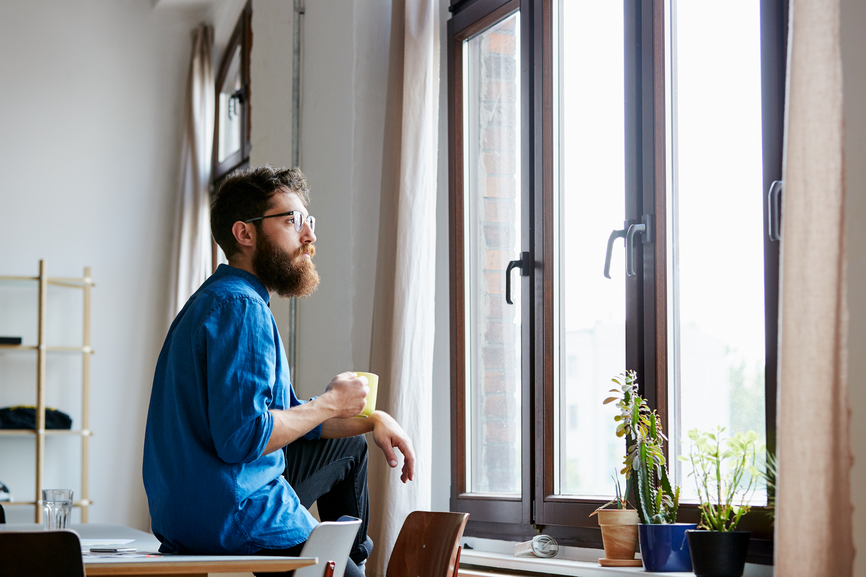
[{"x": 618, "y": 532}]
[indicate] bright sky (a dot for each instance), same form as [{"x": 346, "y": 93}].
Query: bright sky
[{"x": 718, "y": 173}]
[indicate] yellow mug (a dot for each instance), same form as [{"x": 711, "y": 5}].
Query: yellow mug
[{"x": 372, "y": 384}]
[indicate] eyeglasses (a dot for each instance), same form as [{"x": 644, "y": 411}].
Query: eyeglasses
[{"x": 297, "y": 215}]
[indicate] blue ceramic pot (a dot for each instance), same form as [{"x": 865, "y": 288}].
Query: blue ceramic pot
[{"x": 666, "y": 547}]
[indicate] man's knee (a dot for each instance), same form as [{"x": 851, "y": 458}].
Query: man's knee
[{"x": 356, "y": 446}]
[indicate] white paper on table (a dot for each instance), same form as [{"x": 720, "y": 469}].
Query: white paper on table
[
  {"x": 86, "y": 544},
  {"x": 137, "y": 554}
]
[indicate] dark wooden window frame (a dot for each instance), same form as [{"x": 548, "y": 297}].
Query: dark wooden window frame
[
  {"x": 567, "y": 519},
  {"x": 513, "y": 512}
]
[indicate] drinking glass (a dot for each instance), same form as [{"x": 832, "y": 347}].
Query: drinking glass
[{"x": 56, "y": 506}]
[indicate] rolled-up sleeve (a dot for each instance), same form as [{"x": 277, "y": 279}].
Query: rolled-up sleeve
[
  {"x": 240, "y": 378},
  {"x": 316, "y": 433}
]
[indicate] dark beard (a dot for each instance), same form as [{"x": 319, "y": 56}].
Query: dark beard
[{"x": 280, "y": 272}]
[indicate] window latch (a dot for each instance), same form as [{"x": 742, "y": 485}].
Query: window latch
[
  {"x": 613, "y": 236},
  {"x": 774, "y": 214},
  {"x": 645, "y": 229},
  {"x": 236, "y": 99},
  {"x": 628, "y": 232},
  {"x": 524, "y": 264}
]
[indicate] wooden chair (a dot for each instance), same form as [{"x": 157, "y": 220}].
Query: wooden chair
[
  {"x": 40, "y": 554},
  {"x": 428, "y": 545},
  {"x": 331, "y": 542}
]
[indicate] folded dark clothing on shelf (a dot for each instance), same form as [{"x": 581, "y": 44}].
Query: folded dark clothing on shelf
[{"x": 24, "y": 417}]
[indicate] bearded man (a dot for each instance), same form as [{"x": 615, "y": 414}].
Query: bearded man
[{"x": 232, "y": 458}]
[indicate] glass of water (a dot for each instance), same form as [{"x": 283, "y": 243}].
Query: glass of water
[{"x": 56, "y": 507}]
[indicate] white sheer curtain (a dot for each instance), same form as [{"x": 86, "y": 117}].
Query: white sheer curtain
[
  {"x": 814, "y": 514},
  {"x": 192, "y": 238},
  {"x": 403, "y": 326}
]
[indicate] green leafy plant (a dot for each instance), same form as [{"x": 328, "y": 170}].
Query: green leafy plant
[
  {"x": 644, "y": 463},
  {"x": 725, "y": 474},
  {"x": 621, "y": 499},
  {"x": 769, "y": 475}
]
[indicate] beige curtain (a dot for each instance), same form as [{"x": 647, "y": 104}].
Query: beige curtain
[
  {"x": 814, "y": 514},
  {"x": 192, "y": 238},
  {"x": 402, "y": 349}
]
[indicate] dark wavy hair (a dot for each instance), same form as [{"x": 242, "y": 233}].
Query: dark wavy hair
[{"x": 246, "y": 193}]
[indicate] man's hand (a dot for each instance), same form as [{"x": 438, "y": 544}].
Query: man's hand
[
  {"x": 344, "y": 398},
  {"x": 389, "y": 436},
  {"x": 347, "y": 395}
]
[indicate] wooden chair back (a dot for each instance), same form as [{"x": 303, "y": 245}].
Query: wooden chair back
[
  {"x": 40, "y": 554},
  {"x": 428, "y": 545}
]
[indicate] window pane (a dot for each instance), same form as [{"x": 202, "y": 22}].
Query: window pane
[
  {"x": 591, "y": 193},
  {"x": 493, "y": 220},
  {"x": 716, "y": 285},
  {"x": 230, "y": 110}
]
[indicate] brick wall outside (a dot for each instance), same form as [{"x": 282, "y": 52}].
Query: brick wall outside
[{"x": 496, "y": 410}]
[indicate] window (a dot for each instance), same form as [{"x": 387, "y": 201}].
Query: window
[
  {"x": 493, "y": 227},
  {"x": 570, "y": 119},
  {"x": 231, "y": 148}
]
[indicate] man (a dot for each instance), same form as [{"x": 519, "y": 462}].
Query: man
[{"x": 232, "y": 459}]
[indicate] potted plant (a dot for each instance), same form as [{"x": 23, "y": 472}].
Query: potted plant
[
  {"x": 663, "y": 542},
  {"x": 618, "y": 530},
  {"x": 769, "y": 476},
  {"x": 726, "y": 477}
]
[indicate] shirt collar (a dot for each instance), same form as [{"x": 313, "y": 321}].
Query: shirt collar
[{"x": 228, "y": 270}]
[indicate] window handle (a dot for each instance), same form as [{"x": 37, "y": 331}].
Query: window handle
[
  {"x": 524, "y": 265},
  {"x": 645, "y": 229},
  {"x": 613, "y": 236},
  {"x": 774, "y": 214}
]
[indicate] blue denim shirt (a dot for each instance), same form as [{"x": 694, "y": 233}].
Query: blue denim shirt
[{"x": 222, "y": 367}]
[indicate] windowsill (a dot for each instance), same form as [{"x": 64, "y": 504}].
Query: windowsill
[{"x": 495, "y": 556}]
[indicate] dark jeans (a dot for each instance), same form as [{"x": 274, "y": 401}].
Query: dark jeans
[{"x": 333, "y": 474}]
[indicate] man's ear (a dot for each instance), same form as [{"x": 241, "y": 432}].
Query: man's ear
[{"x": 245, "y": 233}]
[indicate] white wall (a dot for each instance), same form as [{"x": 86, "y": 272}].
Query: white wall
[
  {"x": 345, "y": 60},
  {"x": 853, "y": 19},
  {"x": 91, "y": 132}
]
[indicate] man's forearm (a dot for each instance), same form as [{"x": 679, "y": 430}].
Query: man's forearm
[
  {"x": 292, "y": 424},
  {"x": 342, "y": 428}
]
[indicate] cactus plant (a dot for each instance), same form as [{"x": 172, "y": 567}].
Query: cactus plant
[{"x": 657, "y": 501}]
